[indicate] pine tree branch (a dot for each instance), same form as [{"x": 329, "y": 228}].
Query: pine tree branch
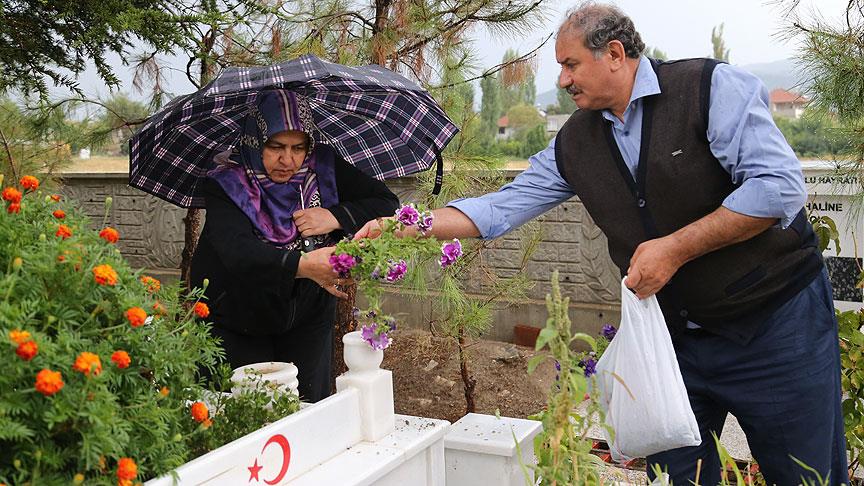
[
  {"x": 9, "y": 154},
  {"x": 497, "y": 17},
  {"x": 499, "y": 67},
  {"x": 126, "y": 123}
]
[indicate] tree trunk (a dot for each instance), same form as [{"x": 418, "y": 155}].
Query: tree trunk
[
  {"x": 467, "y": 380},
  {"x": 192, "y": 221},
  {"x": 343, "y": 324},
  {"x": 191, "y": 225}
]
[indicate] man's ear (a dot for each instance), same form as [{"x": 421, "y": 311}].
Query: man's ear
[{"x": 616, "y": 54}]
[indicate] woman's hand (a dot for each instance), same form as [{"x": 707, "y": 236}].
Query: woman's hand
[
  {"x": 315, "y": 221},
  {"x": 315, "y": 266},
  {"x": 372, "y": 230}
]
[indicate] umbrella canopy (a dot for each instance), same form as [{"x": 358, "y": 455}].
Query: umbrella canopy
[{"x": 377, "y": 120}]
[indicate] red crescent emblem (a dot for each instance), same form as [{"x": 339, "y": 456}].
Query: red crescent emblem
[{"x": 286, "y": 456}]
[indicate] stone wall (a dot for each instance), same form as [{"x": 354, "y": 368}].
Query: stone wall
[{"x": 152, "y": 237}]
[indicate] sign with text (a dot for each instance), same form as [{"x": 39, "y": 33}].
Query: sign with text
[{"x": 836, "y": 194}]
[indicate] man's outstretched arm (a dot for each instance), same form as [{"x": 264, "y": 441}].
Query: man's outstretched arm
[{"x": 448, "y": 223}]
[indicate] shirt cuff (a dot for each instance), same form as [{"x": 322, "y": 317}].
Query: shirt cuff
[
  {"x": 758, "y": 198},
  {"x": 490, "y": 223}
]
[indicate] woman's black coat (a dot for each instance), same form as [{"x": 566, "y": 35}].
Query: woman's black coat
[{"x": 252, "y": 289}]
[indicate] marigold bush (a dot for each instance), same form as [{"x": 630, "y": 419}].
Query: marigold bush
[{"x": 66, "y": 417}]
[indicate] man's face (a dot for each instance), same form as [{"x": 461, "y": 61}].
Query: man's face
[
  {"x": 586, "y": 78},
  {"x": 283, "y": 154}
]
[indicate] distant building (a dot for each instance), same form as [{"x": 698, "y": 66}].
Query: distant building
[
  {"x": 786, "y": 103},
  {"x": 555, "y": 122},
  {"x": 505, "y": 131}
]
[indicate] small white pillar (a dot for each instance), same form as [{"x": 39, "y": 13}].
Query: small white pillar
[
  {"x": 481, "y": 449},
  {"x": 375, "y": 385}
]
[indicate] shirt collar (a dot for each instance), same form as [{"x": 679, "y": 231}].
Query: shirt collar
[{"x": 645, "y": 84}]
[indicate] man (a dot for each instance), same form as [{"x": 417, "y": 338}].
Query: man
[{"x": 682, "y": 167}]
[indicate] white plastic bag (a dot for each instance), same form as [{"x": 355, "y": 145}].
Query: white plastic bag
[{"x": 640, "y": 385}]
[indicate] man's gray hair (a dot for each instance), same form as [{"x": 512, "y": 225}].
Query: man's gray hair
[{"x": 599, "y": 24}]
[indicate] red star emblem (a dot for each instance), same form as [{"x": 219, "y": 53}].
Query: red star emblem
[{"x": 253, "y": 471}]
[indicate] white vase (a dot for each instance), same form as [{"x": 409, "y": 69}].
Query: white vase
[
  {"x": 359, "y": 355},
  {"x": 275, "y": 373}
]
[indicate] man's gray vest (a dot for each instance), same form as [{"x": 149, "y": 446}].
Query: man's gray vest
[{"x": 728, "y": 291}]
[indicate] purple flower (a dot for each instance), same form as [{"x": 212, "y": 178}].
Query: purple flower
[
  {"x": 377, "y": 340},
  {"x": 355, "y": 313},
  {"x": 342, "y": 264},
  {"x": 608, "y": 331},
  {"x": 590, "y": 366},
  {"x": 376, "y": 274},
  {"x": 391, "y": 322},
  {"x": 425, "y": 222},
  {"x": 408, "y": 215},
  {"x": 450, "y": 252},
  {"x": 396, "y": 271}
]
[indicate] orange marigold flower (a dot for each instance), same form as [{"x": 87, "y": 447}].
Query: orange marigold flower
[
  {"x": 59, "y": 214},
  {"x": 63, "y": 231},
  {"x": 201, "y": 309},
  {"x": 55, "y": 197},
  {"x": 159, "y": 309},
  {"x": 18, "y": 336},
  {"x": 199, "y": 412},
  {"x": 207, "y": 423},
  {"x": 27, "y": 350},
  {"x": 49, "y": 382},
  {"x": 88, "y": 363},
  {"x": 109, "y": 234},
  {"x": 126, "y": 469},
  {"x": 14, "y": 208},
  {"x": 29, "y": 182},
  {"x": 121, "y": 359},
  {"x": 152, "y": 284},
  {"x": 136, "y": 316},
  {"x": 125, "y": 482},
  {"x": 164, "y": 391},
  {"x": 105, "y": 275},
  {"x": 12, "y": 195}
]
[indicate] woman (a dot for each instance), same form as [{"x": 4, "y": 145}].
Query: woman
[{"x": 269, "y": 203}]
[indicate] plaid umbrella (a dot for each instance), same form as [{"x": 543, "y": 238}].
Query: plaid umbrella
[{"x": 377, "y": 120}]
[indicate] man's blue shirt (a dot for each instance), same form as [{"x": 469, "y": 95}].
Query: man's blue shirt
[{"x": 741, "y": 133}]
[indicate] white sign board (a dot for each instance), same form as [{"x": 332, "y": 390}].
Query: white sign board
[{"x": 833, "y": 193}]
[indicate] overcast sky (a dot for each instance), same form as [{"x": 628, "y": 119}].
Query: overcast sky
[{"x": 680, "y": 28}]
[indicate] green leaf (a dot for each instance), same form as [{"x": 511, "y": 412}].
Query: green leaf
[
  {"x": 533, "y": 362},
  {"x": 585, "y": 337},
  {"x": 545, "y": 336},
  {"x": 11, "y": 430}
]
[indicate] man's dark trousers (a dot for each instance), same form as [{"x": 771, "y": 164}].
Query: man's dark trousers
[{"x": 783, "y": 387}]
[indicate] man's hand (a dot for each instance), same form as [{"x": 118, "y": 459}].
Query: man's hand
[
  {"x": 315, "y": 266},
  {"x": 315, "y": 221},
  {"x": 652, "y": 266}
]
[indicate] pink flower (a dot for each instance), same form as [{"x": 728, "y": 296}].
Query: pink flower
[
  {"x": 396, "y": 271},
  {"x": 408, "y": 215},
  {"x": 377, "y": 340},
  {"x": 342, "y": 264},
  {"x": 425, "y": 222},
  {"x": 450, "y": 252}
]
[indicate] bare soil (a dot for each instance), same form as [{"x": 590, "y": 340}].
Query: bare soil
[{"x": 427, "y": 380}]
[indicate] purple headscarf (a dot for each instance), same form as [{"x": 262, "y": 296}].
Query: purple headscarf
[{"x": 267, "y": 204}]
